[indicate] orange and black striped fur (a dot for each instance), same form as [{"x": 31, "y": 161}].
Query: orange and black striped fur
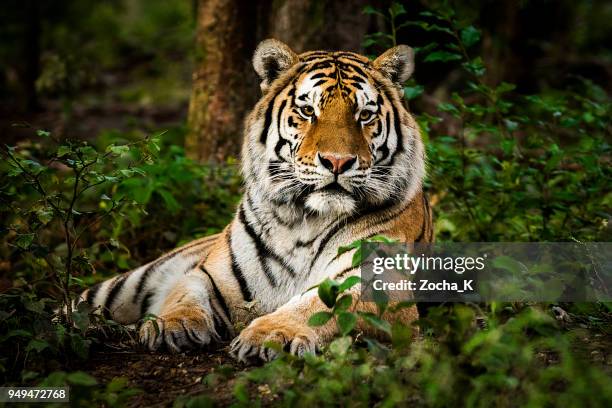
[{"x": 330, "y": 156}]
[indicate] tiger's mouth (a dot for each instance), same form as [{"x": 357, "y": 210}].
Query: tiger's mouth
[
  {"x": 335, "y": 188},
  {"x": 332, "y": 198}
]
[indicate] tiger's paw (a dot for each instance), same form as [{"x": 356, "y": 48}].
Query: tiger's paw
[
  {"x": 295, "y": 338},
  {"x": 180, "y": 330}
]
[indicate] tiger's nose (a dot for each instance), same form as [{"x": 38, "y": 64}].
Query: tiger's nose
[{"x": 335, "y": 163}]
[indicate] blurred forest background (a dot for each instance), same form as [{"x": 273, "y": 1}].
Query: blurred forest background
[
  {"x": 121, "y": 127},
  {"x": 79, "y": 68}
]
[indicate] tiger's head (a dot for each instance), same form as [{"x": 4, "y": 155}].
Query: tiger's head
[{"x": 331, "y": 133}]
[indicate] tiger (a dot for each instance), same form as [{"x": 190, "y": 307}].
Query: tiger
[{"x": 330, "y": 156}]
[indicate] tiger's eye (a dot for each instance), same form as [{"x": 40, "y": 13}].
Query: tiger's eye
[
  {"x": 365, "y": 115},
  {"x": 307, "y": 110}
]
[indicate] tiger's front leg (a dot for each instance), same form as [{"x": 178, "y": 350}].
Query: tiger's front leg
[
  {"x": 286, "y": 326},
  {"x": 187, "y": 319}
]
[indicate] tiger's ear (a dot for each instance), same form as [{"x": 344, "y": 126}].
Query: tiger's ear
[
  {"x": 271, "y": 59},
  {"x": 396, "y": 63}
]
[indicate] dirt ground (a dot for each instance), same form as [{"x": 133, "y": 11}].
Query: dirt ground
[{"x": 162, "y": 377}]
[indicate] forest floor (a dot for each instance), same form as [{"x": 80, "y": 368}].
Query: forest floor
[{"x": 163, "y": 377}]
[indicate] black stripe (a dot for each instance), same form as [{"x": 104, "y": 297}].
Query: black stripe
[
  {"x": 279, "y": 145},
  {"x": 320, "y": 75},
  {"x": 429, "y": 218},
  {"x": 92, "y": 292},
  {"x": 237, "y": 271},
  {"x": 327, "y": 63},
  {"x": 351, "y": 57},
  {"x": 263, "y": 250},
  {"x": 345, "y": 271},
  {"x": 302, "y": 244},
  {"x": 151, "y": 268},
  {"x": 398, "y": 129},
  {"x": 110, "y": 299},
  {"x": 259, "y": 246},
  {"x": 217, "y": 293},
  {"x": 268, "y": 118},
  {"x": 146, "y": 302},
  {"x": 221, "y": 326},
  {"x": 264, "y": 132},
  {"x": 384, "y": 147},
  {"x": 355, "y": 68},
  {"x": 281, "y": 140},
  {"x": 280, "y": 114}
]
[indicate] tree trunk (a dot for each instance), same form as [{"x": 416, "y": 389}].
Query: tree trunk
[{"x": 225, "y": 86}]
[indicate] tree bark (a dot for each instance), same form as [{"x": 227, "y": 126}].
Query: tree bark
[{"x": 225, "y": 86}]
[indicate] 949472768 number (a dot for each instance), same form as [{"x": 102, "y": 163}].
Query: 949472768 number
[{"x": 34, "y": 394}]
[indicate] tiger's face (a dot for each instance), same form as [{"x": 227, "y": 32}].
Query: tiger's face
[{"x": 331, "y": 133}]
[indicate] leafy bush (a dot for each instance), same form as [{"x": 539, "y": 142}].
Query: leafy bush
[{"x": 72, "y": 215}]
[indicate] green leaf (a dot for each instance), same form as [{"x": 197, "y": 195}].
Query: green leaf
[
  {"x": 383, "y": 239},
  {"x": 340, "y": 346},
  {"x": 401, "y": 335},
  {"x": 411, "y": 92},
  {"x": 349, "y": 283},
  {"x": 119, "y": 150},
  {"x": 171, "y": 204},
  {"x": 63, "y": 150},
  {"x": 372, "y": 10},
  {"x": 16, "y": 333},
  {"x": 511, "y": 125},
  {"x": 37, "y": 345},
  {"x": 24, "y": 241},
  {"x": 79, "y": 345},
  {"x": 470, "y": 36},
  {"x": 346, "y": 322},
  {"x": 117, "y": 384},
  {"x": 448, "y": 107},
  {"x": 351, "y": 246},
  {"x": 81, "y": 316},
  {"x": 44, "y": 215},
  {"x": 43, "y": 133},
  {"x": 81, "y": 378},
  {"x": 396, "y": 9},
  {"x": 509, "y": 264},
  {"x": 376, "y": 322},
  {"x": 381, "y": 299},
  {"x": 442, "y": 56},
  {"x": 344, "y": 303},
  {"x": 36, "y": 306},
  {"x": 319, "y": 318},
  {"x": 328, "y": 290},
  {"x": 504, "y": 87},
  {"x": 475, "y": 67}
]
